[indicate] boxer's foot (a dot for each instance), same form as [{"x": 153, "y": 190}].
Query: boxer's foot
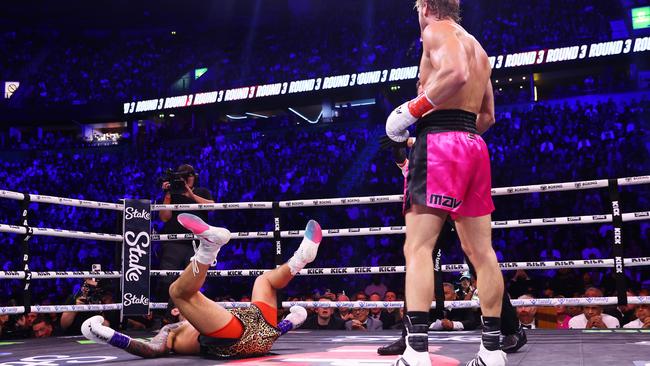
[
  {"x": 417, "y": 347},
  {"x": 211, "y": 238},
  {"x": 488, "y": 358},
  {"x": 396, "y": 348},
  {"x": 513, "y": 342},
  {"x": 308, "y": 249}
]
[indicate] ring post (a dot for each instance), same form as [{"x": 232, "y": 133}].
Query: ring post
[
  {"x": 24, "y": 239},
  {"x": 618, "y": 250}
]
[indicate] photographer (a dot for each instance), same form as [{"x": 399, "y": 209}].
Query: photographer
[
  {"x": 179, "y": 187},
  {"x": 91, "y": 292}
]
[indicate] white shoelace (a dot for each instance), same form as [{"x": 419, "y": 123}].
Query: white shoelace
[{"x": 195, "y": 266}]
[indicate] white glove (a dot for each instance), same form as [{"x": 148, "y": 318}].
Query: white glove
[
  {"x": 405, "y": 115},
  {"x": 297, "y": 316},
  {"x": 94, "y": 330},
  {"x": 437, "y": 325},
  {"x": 398, "y": 122}
]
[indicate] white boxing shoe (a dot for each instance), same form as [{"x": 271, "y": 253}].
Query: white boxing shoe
[
  {"x": 308, "y": 248},
  {"x": 416, "y": 338},
  {"x": 211, "y": 238},
  {"x": 488, "y": 358}
]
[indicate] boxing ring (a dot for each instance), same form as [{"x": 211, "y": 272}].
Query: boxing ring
[{"x": 307, "y": 347}]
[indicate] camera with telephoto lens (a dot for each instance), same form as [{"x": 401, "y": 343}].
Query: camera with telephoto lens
[{"x": 176, "y": 181}]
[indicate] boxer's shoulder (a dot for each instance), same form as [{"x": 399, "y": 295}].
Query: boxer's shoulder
[{"x": 437, "y": 34}]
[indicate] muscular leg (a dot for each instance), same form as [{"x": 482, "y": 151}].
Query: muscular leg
[
  {"x": 204, "y": 314},
  {"x": 475, "y": 235},
  {"x": 423, "y": 225},
  {"x": 266, "y": 285}
]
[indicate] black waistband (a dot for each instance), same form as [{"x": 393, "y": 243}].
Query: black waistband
[{"x": 447, "y": 120}]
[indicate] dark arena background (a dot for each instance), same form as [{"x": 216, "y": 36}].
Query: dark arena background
[{"x": 279, "y": 107}]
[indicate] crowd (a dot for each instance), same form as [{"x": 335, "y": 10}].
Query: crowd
[
  {"x": 277, "y": 159},
  {"x": 60, "y": 67},
  {"x": 359, "y": 319},
  {"x": 546, "y": 144}
]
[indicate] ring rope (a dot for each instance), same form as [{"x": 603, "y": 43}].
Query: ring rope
[
  {"x": 465, "y": 304},
  {"x": 392, "y": 230},
  {"x": 505, "y": 266},
  {"x": 553, "y": 187},
  {"x": 62, "y": 201},
  {"x": 14, "y": 229},
  {"x": 459, "y": 304}
]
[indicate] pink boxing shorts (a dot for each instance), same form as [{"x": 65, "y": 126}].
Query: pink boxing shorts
[{"x": 449, "y": 166}]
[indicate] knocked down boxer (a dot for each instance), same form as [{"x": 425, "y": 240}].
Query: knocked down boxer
[{"x": 211, "y": 330}]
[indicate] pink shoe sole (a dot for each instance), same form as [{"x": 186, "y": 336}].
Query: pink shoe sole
[
  {"x": 193, "y": 223},
  {"x": 314, "y": 232}
]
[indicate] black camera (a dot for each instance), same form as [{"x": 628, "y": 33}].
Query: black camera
[
  {"x": 92, "y": 293},
  {"x": 178, "y": 178},
  {"x": 176, "y": 181}
]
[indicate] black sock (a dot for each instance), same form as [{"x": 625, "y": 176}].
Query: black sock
[
  {"x": 418, "y": 317},
  {"x": 405, "y": 321},
  {"x": 509, "y": 320},
  {"x": 491, "y": 333}
]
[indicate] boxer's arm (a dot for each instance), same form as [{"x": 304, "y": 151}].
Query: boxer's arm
[
  {"x": 486, "y": 118},
  {"x": 448, "y": 56}
]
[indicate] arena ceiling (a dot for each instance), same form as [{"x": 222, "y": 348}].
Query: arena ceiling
[{"x": 147, "y": 14}]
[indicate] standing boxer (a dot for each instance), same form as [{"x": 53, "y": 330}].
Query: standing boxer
[{"x": 449, "y": 173}]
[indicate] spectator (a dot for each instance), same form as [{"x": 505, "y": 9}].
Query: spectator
[
  {"x": 391, "y": 316},
  {"x": 360, "y": 296},
  {"x": 324, "y": 319},
  {"x": 375, "y": 313},
  {"x": 592, "y": 315},
  {"x": 344, "y": 313},
  {"x": 562, "y": 317},
  {"x": 624, "y": 313},
  {"x": 526, "y": 314},
  {"x": 642, "y": 317},
  {"x": 4, "y": 322},
  {"x": 42, "y": 327},
  {"x": 361, "y": 321},
  {"x": 465, "y": 289},
  {"x": 455, "y": 319}
]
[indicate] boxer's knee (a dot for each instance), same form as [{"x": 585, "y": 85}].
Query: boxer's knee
[
  {"x": 176, "y": 292},
  {"x": 262, "y": 282},
  {"x": 414, "y": 249},
  {"x": 483, "y": 258}
]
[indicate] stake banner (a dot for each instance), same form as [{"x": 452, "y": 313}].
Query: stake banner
[{"x": 136, "y": 257}]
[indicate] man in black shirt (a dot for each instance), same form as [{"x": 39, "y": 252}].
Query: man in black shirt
[
  {"x": 176, "y": 254},
  {"x": 324, "y": 319}
]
